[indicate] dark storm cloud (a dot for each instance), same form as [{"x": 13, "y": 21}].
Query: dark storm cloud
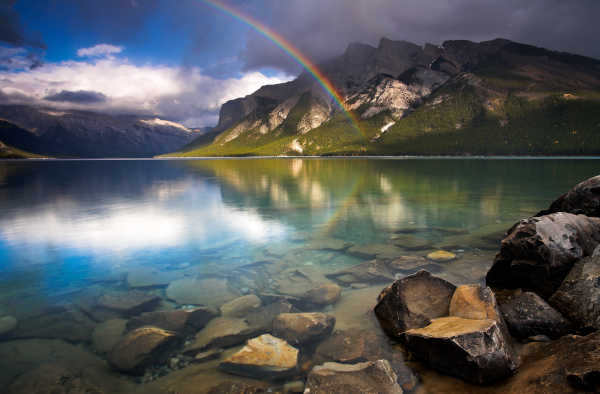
[
  {"x": 77, "y": 97},
  {"x": 323, "y": 28},
  {"x": 11, "y": 30}
]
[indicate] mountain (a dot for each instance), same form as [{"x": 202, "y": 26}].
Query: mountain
[
  {"x": 460, "y": 98},
  {"x": 8, "y": 152},
  {"x": 89, "y": 134}
]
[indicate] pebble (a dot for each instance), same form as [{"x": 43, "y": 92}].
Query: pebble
[
  {"x": 174, "y": 363},
  {"x": 441, "y": 256}
]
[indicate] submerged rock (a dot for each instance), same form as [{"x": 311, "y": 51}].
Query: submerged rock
[
  {"x": 539, "y": 252},
  {"x": 264, "y": 357},
  {"x": 69, "y": 324},
  {"x": 359, "y": 345},
  {"x": 182, "y": 321},
  {"x": 107, "y": 334},
  {"x": 372, "y": 377},
  {"x": 410, "y": 242},
  {"x": 474, "y": 350},
  {"x": 7, "y": 324},
  {"x": 583, "y": 198},
  {"x": 372, "y": 271},
  {"x": 207, "y": 355},
  {"x": 262, "y": 319},
  {"x": 529, "y": 316},
  {"x": 412, "y": 302},
  {"x": 148, "y": 277},
  {"x": 332, "y": 244},
  {"x": 129, "y": 303},
  {"x": 222, "y": 332},
  {"x": 441, "y": 256},
  {"x": 411, "y": 264},
  {"x": 325, "y": 294},
  {"x": 372, "y": 251},
  {"x": 241, "y": 306},
  {"x": 212, "y": 292},
  {"x": 140, "y": 348},
  {"x": 578, "y": 297},
  {"x": 303, "y": 328},
  {"x": 51, "y": 379},
  {"x": 242, "y": 388}
]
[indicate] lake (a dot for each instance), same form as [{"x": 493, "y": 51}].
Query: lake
[{"x": 191, "y": 233}]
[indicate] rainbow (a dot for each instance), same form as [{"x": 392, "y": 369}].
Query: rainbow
[{"x": 290, "y": 49}]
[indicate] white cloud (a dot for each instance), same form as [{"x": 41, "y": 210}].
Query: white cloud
[
  {"x": 99, "y": 50},
  {"x": 185, "y": 95}
]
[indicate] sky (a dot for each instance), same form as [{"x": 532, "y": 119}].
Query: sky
[{"x": 181, "y": 60}]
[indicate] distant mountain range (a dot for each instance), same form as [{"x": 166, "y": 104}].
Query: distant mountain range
[
  {"x": 69, "y": 133},
  {"x": 461, "y": 98},
  {"x": 492, "y": 97}
]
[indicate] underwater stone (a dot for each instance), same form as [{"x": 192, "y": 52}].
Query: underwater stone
[
  {"x": 7, "y": 324},
  {"x": 264, "y": 356}
]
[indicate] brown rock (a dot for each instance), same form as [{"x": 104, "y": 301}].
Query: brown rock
[
  {"x": 567, "y": 365},
  {"x": 325, "y": 294},
  {"x": 474, "y": 350},
  {"x": 140, "y": 348},
  {"x": 222, "y": 332},
  {"x": 441, "y": 256},
  {"x": 264, "y": 356},
  {"x": 539, "y": 252},
  {"x": 181, "y": 320},
  {"x": 303, "y": 328},
  {"x": 263, "y": 318},
  {"x": 412, "y": 302},
  {"x": 242, "y": 388},
  {"x": 359, "y": 345},
  {"x": 372, "y": 377},
  {"x": 474, "y": 302},
  {"x": 107, "y": 334},
  {"x": 53, "y": 379}
]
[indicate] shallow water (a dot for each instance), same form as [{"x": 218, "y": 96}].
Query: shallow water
[{"x": 71, "y": 231}]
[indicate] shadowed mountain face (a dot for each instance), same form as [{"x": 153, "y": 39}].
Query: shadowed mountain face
[
  {"x": 493, "y": 97},
  {"x": 87, "y": 134}
]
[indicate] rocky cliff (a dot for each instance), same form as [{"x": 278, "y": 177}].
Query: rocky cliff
[{"x": 462, "y": 97}]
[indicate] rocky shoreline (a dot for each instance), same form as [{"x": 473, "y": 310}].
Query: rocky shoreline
[{"x": 532, "y": 327}]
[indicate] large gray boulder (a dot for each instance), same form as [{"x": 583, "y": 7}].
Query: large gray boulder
[
  {"x": 528, "y": 315},
  {"x": 412, "y": 302},
  {"x": 474, "y": 350},
  {"x": 371, "y": 377},
  {"x": 578, "y": 297},
  {"x": 583, "y": 198},
  {"x": 539, "y": 252}
]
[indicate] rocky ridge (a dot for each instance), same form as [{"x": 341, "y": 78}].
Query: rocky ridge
[{"x": 399, "y": 91}]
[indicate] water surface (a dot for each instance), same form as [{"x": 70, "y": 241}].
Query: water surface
[{"x": 72, "y": 228}]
